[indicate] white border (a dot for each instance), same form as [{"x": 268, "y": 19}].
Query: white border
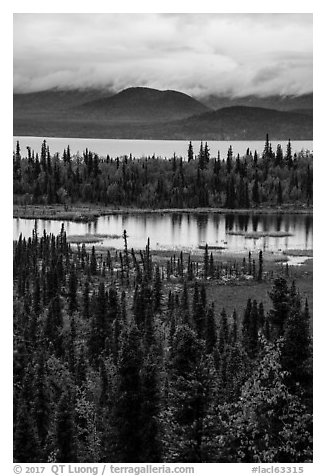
[{"x": 140, "y": 6}]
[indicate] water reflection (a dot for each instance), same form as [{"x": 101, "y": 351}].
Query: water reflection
[
  {"x": 243, "y": 222},
  {"x": 178, "y": 230},
  {"x": 279, "y": 222},
  {"x": 229, "y": 221},
  {"x": 255, "y": 221}
]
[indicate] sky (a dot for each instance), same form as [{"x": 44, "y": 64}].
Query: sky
[{"x": 198, "y": 54}]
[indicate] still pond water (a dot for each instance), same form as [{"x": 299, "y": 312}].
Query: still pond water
[
  {"x": 139, "y": 148},
  {"x": 187, "y": 230}
]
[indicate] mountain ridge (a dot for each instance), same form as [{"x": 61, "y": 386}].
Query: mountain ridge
[
  {"x": 161, "y": 115},
  {"x": 278, "y": 102},
  {"x": 146, "y": 104}
]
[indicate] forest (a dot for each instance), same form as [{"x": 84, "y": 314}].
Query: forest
[
  {"x": 121, "y": 358},
  {"x": 268, "y": 179}
]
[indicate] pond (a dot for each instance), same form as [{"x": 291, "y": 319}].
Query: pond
[{"x": 188, "y": 231}]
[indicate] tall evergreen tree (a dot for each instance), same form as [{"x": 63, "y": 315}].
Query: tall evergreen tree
[
  {"x": 65, "y": 430},
  {"x": 150, "y": 408},
  {"x": 223, "y": 333},
  {"x": 188, "y": 401},
  {"x": 279, "y": 313},
  {"x": 190, "y": 152},
  {"x": 128, "y": 407},
  {"x": 296, "y": 351},
  {"x": 211, "y": 334},
  {"x": 260, "y": 268}
]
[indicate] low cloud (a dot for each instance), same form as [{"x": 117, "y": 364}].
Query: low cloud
[{"x": 198, "y": 54}]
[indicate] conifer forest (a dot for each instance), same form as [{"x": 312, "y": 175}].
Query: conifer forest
[
  {"x": 201, "y": 179},
  {"x": 131, "y": 356},
  {"x": 163, "y": 261}
]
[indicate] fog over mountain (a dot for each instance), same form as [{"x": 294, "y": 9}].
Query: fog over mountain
[
  {"x": 203, "y": 55},
  {"x": 146, "y": 113}
]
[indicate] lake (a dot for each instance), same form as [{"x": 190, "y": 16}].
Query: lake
[
  {"x": 139, "y": 148},
  {"x": 188, "y": 230}
]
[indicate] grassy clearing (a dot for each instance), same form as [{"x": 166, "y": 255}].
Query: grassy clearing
[
  {"x": 235, "y": 296},
  {"x": 298, "y": 253},
  {"x": 89, "y": 238},
  {"x": 56, "y": 212},
  {"x": 89, "y": 212}
]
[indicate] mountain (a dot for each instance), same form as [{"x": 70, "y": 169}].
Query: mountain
[
  {"x": 56, "y": 99},
  {"x": 242, "y": 123},
  {"x": 144, "y": 113},
  {"x": 144, "y": 105},
  {"x": 303, "y": 103}
]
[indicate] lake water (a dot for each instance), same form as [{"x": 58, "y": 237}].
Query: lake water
[
  {"x": 187, "y": 231},
  {"x": 139, "y": 148}
]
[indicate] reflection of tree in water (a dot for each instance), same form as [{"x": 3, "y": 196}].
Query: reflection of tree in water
[
  {"x": 176, "y": 219},
  {"x": 229, "y": 222},
  {"x": 202, "y": 221},
  {"x": 216, "y": 220},
  {"x": 290, "y": 220},
  {"x": 308, "y": 227},
  {"x": 266, "y": 222},
  {"x": 255, "y": 222},
  {"x": 124, "y": 221},
  {"x": 243, "y": 221},
  {"x": 279, "y": 220}
]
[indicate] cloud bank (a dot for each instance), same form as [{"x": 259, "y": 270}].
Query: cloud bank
[{"x": 199, "y": 54}]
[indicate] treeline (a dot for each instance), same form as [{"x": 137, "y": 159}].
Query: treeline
[
  {"x": 272, "y": 178},
  {"x": 119, "y": 359}
]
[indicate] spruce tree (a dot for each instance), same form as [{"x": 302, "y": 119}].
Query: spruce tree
[
  {"x": 211, "y": 334},
  {"x": 250, "y": 329},
  {"x": 281, "y": 305},
  {"x": 128, "y": 406},
  {"x": 157, "y": 290},
  {"x": 288, "y": 157},
  {"x": 65, "y": 431},
  {"x": 41, "y": 401},
  {"x": 190, "y": 152},
  {"x": 198, "y": 311},
  {"x": 72, "y": 292},
  {"x": 229, "y": 160},
  {"x": 260, "y": 268},
  {"x": 206, "y": 262},
  {"x": 223, "y": 332},
  {"x": 279, "y": 156},
  {"x": 150, "y": 408},
  {"x": 296, "y": 349},
  {"x": 26, "y": 446},
  {"x": 93, "y": 268},
  {"x": 188, "y": 400}
]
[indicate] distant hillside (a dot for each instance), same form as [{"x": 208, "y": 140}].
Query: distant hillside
[
  {"x": 239, "y": 122},
  {"x": 144, "y": 113},
  {"x": 301, "y": 103},
  {"x": 144, "y": 105},
  {"x": 54, "y": 99}
]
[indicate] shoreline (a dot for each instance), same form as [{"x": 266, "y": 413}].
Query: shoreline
[{"x": 89, "y": 213}]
